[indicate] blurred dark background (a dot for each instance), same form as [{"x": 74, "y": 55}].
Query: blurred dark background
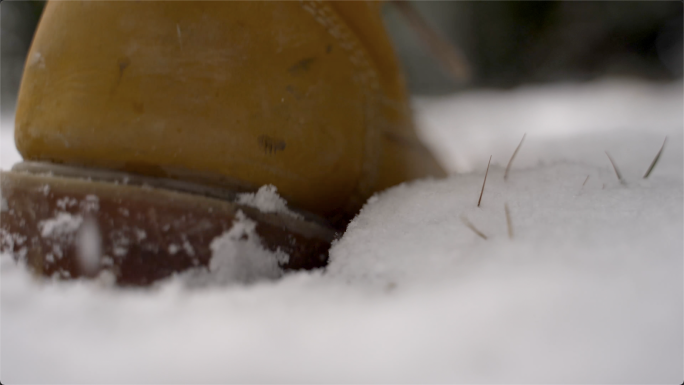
[{"x": 507, "y": 43}]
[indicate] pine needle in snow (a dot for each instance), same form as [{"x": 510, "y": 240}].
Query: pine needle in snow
[
  {"x": 472, "y": 227},
  {"x": 485, "y": 181},
  {"x": 619, "y": 176},
  {"x": 509, "y": 223},
  {"x": 655, "y": 160},
  {"x": 508, "y": 166}
]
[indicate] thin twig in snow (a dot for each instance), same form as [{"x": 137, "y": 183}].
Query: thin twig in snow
[
  {"x": 509, "y": 223},
  {"x": 655, "y": 160},
  {"x": 615, "y": 168},
  {"x": 485, "y": 181},
  {"x": 585, "y": 181},
  {"x": 472, "y": 227},
  {"x": 508, "y": 167}
]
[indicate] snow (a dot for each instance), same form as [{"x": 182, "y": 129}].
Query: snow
[
  {"x": 564, "y": 122},
  {"x": 8, "y": 152},
  {"x": 238, "y": 257},
  {"x": 62, "y": 224},
  {"x": 588, "y": 290},
  {"x": 267, "y": 200}
]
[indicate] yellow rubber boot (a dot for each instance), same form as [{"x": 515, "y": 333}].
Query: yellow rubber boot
[{"x": 307, "y": 96}]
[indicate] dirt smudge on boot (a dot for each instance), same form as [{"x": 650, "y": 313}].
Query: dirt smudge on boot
[
  {"x": 271, "y": 145},
  {"x": 301, "y": 66}
]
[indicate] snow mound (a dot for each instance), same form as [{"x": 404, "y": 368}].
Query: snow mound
[{"x": 579, "y": 223}]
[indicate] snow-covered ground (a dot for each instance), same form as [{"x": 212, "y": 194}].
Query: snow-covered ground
[{"x": 588, "y": 290}]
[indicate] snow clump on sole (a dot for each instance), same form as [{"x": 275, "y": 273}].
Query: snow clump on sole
[
  {"x": 267, "y": 200},
  {"x": 238, "y": 256}
]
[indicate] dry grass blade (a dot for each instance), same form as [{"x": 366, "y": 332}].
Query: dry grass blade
[
  {"x": 448, "y": 55},
  {"x": 510, "y": 162},
  {"x": 485, "y": 181},
  {"x": 585, "y": 181},
  {"x": 509, "y": 223},
  {"x": 655, "y": 160},
  {"x": 472, "y": 227},
  {"x": 619, "y": 176}
]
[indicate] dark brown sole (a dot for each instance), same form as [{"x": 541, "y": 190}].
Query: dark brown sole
[{"x": 146, "y": 233}]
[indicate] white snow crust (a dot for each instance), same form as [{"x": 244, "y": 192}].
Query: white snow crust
[{"x": 588, "y": 290}]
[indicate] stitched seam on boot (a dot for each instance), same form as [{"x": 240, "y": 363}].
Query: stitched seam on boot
[{"x": 367, "y": 76}]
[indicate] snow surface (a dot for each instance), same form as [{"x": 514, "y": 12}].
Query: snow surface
[{"x": 589, "y": 290}]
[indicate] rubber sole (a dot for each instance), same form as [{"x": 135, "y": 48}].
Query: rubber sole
[{"x": 147, "y": 228}]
